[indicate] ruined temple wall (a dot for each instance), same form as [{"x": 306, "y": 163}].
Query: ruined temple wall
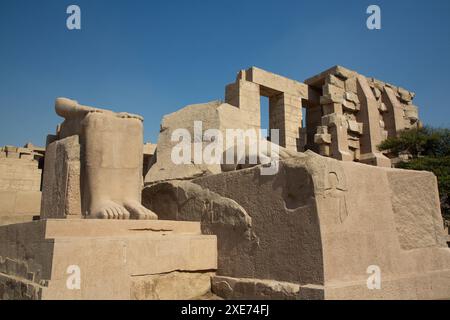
[
  {"x": 348, "y": 114},
  {"x": 20, "y": 184},
  {"x": 118, "y": 259},
  {"x": 357, "y": 114}
]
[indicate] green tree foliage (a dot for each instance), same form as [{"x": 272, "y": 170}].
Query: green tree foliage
[{"x": 429, "y": 149}]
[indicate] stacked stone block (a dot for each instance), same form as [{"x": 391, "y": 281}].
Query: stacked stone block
[
  {"x": 20, "y": 183},
  {"x": 348, "y": 114},
  {"x": 285, "y": 114},
  {"x": 356, "y": 114},
  {"x": 245, "y": 95}
]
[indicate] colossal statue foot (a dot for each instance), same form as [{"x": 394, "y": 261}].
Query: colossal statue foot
[
  {"x": 111, "y": 162},
  {"x": 139, "y": 212},
  {"x": 109, "y": 210},
  {"x": 70, "y": 109}
]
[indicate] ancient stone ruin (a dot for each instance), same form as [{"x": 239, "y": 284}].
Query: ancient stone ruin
[
  {"x": 347, "y": 114},
  {"x": 20, "y": 183},
  {"x": 120, "y": 219}
]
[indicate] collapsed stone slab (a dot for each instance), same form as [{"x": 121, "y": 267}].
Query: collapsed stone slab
[
  {"x": 255, "y": 289},
  {"x": 114, "y": 259},
  {"x": 213, "y": 115},
  {"x": 320, "y": 224},
  {"x": 204, "y": 131},
  {"x": 220, "y": 216}
]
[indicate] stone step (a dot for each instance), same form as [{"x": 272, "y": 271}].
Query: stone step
[
  {"x": 68, "y": 228},
  {"x": 114, "y": 259},
  {"x": 64, "y": 228}
]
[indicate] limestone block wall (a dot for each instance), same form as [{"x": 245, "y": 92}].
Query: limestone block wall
[
  {"x": 20, "y": 184},
  {"x": 355, "y": 113},
  {"x": 285, "y": 103}
]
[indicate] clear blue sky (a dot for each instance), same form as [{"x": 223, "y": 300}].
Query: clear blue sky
[{"x": 154, "y": 57}]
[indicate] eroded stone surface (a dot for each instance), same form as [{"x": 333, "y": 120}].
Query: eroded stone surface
[
  {"x": 175, "y": 285},
  {"x": 212, "y": 115},
  {"x": 254, "y": 289}
]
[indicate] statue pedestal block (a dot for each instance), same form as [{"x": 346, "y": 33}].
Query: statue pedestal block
[{"x": 105, "y": 259}]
